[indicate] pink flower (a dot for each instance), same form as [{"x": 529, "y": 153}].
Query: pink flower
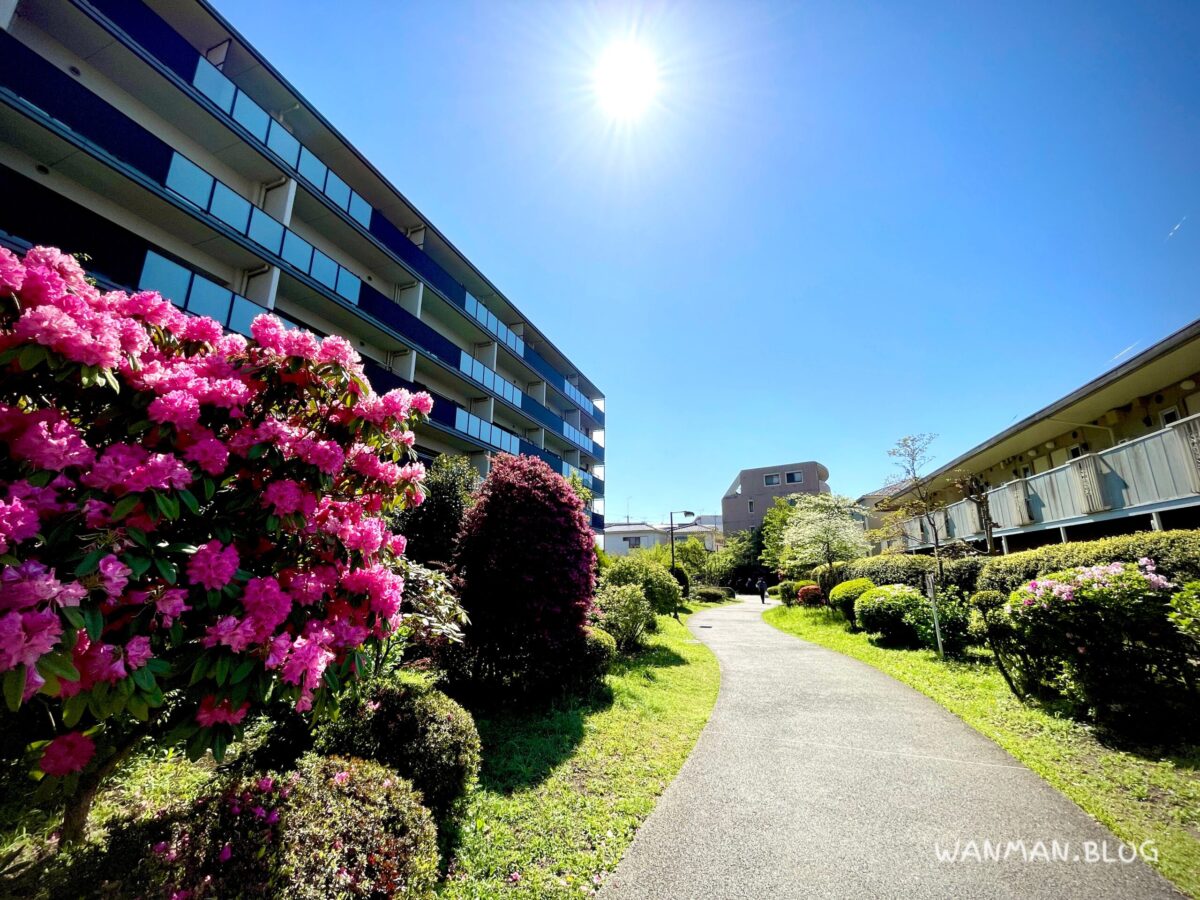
[
  {"x": 178, "y": 408},
  {"x": 18, "y": 522},
  {"x": 212, "y": 712},
  {"x": 339, "y": 350},
  {"x": 213, "y": 565},
  {"x": 12, "y": 273},
  {"x": 226, "y": 854},
  {"x": 137, "y": 652},
  {"x": 287, "y": 497},
  {"x": 422, "y": 403},
  {"x": 25, "y": 637},
  {"x": 268, "y": 332},
  {"x": 341, "y": 777},
  {"x": 171, "y": 605},
  {"x": 115, "y": 575},
  {"x": 67, "y": 753},
  {"x": 209, "y": 454},
  {"x": 267, "y": 605}
]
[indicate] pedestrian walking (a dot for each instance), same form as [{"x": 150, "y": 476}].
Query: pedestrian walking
[{"x": 762, "y": 589}]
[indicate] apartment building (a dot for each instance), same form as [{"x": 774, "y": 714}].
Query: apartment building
[
  {"x": 753, "y": 491},
  {"x": 1120, "y": 454},
  {"x": 153, "y": 138}
]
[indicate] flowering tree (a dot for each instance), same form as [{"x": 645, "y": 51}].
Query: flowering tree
[
  {"x": 192, "y": 525},
  {"x": 822, "y": 530}
]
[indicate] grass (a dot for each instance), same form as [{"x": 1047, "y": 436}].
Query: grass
[
  {"x": 1140, "y": 795},
  {"x": 561, "y": 794}
]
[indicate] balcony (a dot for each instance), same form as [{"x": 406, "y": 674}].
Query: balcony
[
  {"x": 1158, "y": 471},
  {"x": 140, "y": 28}
]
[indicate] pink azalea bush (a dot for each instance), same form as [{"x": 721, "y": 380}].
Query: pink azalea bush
[
  {"x": 1101, "y": 638},
  {"x": 192, "y": 524}
]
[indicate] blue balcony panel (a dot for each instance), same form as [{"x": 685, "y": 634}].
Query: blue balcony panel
[
  {"x": 375, "y": 304},
  {"x": 146, "y": 28},
  {"x": 396, "y": 241},
  {"x": 597, "y": 522}
]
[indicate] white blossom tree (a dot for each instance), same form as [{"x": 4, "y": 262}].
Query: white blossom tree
[{"x": 823, "y": 529}]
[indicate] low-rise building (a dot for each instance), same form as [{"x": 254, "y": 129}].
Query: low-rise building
[
  {"x": 753, "y": 491},
  {"x": 1118, "y": 455},
  {"x": 621, "y": 538}
]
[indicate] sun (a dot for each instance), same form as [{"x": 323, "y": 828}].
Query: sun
[{"x": 626, "y": 80}]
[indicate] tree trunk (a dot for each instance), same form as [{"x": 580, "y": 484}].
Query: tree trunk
[{"x": 75, "y": 816}]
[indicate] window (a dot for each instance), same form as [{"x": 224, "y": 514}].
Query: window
[
  {"x": 794, "y": 478},
  {"x": 1076, "y": 451},
  {"x": 771, "y": 480},
  {"x": 634, "y": 542},
  {"x": 1168, "y": 415},
  {"x": 750, "y": 505}
]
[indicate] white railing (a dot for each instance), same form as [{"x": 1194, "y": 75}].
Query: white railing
[{"x": 1155, "y": 468}]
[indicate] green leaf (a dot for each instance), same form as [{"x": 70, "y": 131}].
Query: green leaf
[
  {"x": 167, "y": 505},
  {"x": 125, "y": 506},
  {"x": 73, "y": 710},
  {"x": 139, "y": 565},
  {"x": 221, "y": 670},
  {"x": 90, "y": 562},
  {"x": 30, "y": 356},
  {"x": 57, "y": 664},
  {"x": 138, "y": 536},
  {"x": 93, "y": 621},
  {"x": 14, "y": 687},
  {"x": 144, "y": 679},
  {"x": 219, "y": 743},
  {"x": 209, "y": 488},
  {"x": 272, "y": 523},
  {"x": 72, "y": 615},
  {"x": 244, "y": 668},
  {"x": 112, "y": 380},
  {"x": 138, "y": 708},
  {"x": 166, "y": 569},
  {"x": 197, "y": 744},
  {"x": 190, "y": 501}
]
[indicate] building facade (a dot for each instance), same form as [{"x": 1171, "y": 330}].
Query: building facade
[
  {"x": 153, "y": 138},
  {"x": 623, "y": 537},
  {"x": 1118, "y": 455},
  {"x": 754, "y": 490}
]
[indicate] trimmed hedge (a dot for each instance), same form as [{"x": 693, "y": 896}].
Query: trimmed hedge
[
  {"x": 809, "y": 595},
  {"x": 885, "y": 611},
  {"x": 1176, "y": 553},
  {"x": 890, "y": 569},
  {"x": 844, "y": 595},
  {"x": 414, "y": 729},
  {"x": 707, "y": 594}
]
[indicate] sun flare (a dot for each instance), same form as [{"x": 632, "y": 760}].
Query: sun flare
[{"x": 626, "y": 80}]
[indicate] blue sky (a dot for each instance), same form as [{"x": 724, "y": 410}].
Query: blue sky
[{"x": 842, "y": 222}]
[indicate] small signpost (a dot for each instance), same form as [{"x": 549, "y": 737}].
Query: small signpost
[{"x": 931, "y": 590}]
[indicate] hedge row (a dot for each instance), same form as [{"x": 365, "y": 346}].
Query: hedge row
[{"x": 1176, "y": 553}]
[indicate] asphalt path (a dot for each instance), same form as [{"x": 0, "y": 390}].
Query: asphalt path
[{"x": 819, "y": 776}]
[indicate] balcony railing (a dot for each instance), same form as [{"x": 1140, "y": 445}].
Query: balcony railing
[
  {"x": 1158, "y": 468},
  {"x": 158, "y": 39}
]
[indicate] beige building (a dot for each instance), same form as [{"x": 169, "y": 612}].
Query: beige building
[
  {"x": 754, "y": 490},
  {"x": 1118, "y": 455}
]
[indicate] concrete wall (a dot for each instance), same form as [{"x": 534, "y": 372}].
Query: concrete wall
[{"x": 736, "y": 512}]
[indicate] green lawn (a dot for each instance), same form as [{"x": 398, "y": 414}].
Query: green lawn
[
  {"x": 561, "y": 794},
  {"x": 1139, "y": 796}
]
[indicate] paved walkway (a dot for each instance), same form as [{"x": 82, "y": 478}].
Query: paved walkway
[{"x": 819, "y": 776}]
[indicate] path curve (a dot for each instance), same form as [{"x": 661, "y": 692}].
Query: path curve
[{"x": 819, "y": 776}]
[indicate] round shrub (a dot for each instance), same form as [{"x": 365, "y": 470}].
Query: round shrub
[
  {"x": 708, "y": 594},
  {"x": 787, "y": 592},
  {"x": 599, "y": 650},
  {"x": 884, "y": 611},
  {"x": 333, "y": 828},
  {"x": 844, "y": 595},
  {"x": 1102, "y": 638},
  {"x": 1185, "y": 610},
  {"x": 625, "y": 613},
  {"x": 524, "y": 560},
  {"x": 891, "y": 568},
  {"x": 656, "y": 582},
  {"x": 953, "y": 620},
  {"x": 810, "y": 595},
  {"x": 414, "y": 729}
]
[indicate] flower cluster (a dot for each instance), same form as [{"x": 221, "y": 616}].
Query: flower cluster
[
  {"x": 185, "y": 511},
  {"x": 1086, "y": 582}
]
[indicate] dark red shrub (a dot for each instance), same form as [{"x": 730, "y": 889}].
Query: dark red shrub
[
  {"x": 524, "y": 567},
  {"x": 810, "y": 595}
]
